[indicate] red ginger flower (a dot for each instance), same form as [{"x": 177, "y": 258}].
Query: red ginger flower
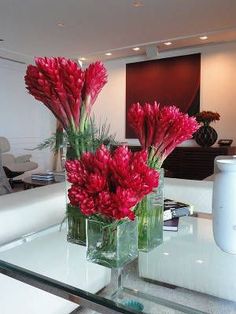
[
  {"x": 136, "y": 120},
  {"x": 160, "y": 130},
  {"x": 58, "y": 83},
  {"x": 110, "y": 184},
  {"x": 95, "y": 79}
]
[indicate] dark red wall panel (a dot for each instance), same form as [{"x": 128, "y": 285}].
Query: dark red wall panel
[{"x": 169, "y": 81}]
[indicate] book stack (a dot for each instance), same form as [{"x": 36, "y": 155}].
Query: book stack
[
  {"x": 48, "y": 176},
  {"x": 172, "y": 211}
]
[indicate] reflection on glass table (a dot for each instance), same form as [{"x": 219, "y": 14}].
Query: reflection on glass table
[{"x": 183, "y": 275}]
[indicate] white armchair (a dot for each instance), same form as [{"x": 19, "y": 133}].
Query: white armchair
[{"x": 14, "y": 166}]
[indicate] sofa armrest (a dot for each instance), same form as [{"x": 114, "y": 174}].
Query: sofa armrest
[
  {"x": 194, "y": 192},
  {"x": 7, "y": 159},
  {"x": 31, "y": 211},
  {"x": 23, "y": 158}
]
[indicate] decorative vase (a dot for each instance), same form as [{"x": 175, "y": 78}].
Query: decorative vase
[
  {"x": 76, "y": 223},
  {"x": 112, "y": 244},
  {"x": 150, "y": 218},
  {"x": 224, "y": 205},
  {"x": 206, "y": 136}
]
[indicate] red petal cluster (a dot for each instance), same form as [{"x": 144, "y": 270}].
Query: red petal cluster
[
  {"x": 63, "y": 86},
  {"x": 161, "y": 128},
  {"x": 110, "y": 184},
  {"x": 95, "y": 79}
]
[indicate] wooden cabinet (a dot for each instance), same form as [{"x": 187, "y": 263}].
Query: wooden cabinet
[{"x": 194, "y": 163}]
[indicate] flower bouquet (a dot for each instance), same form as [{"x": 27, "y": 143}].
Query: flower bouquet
[
  {"x": 106, "y": 187},
  {"x": 206, "y": 135},
  {"x": 69, "y": 93},
  {"x": 206, "y": 117},
  {"x": 159, "y": 130}
]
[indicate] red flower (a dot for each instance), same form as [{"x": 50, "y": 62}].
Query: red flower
[
  {"x": 110, "y": 185},
  {"x": 95, "y": 79},
  {"x": 160, "y": 130},
  {"x": 58, "y": 83},
  {"x": 136, "y": 119},
  {"x": 95, "y": 183}
]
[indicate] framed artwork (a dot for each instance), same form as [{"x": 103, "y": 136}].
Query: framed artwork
[{"x": 169, "y": 81}]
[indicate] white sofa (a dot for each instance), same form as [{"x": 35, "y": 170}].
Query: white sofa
[
  {"x": 23, "y": 213},
  {"x": 32, "y": 210}
]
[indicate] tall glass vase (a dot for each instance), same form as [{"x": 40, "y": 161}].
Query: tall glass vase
[
  {"x": 150, "y": 218},
  {"x": 76, "y": 221}
]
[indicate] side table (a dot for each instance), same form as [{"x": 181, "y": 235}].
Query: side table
[{"x": 29, "y": 183}]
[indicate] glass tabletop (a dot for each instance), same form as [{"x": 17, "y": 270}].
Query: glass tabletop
[{"x": 187, "y": 273}]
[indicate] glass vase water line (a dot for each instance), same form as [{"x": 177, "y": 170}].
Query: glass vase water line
[
  {"x": 112, "y": 244},
  {"x": 150, "y": 218}
]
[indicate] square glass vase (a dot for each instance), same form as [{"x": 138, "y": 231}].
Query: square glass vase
[
  {"x": 76, "y": 226},
  {"x": 150, "y": 217},
  {"x": 112, "y": 244}
]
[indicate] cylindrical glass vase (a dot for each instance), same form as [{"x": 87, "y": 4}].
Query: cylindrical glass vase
[
  {"x": 112, "y": 244},
  {"x": 150, "y": 218}
]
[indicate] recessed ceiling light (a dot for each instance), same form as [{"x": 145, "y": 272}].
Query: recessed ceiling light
[
  {"x": 137, "y": 4},
  {"x": 199, "y": 261},
  {"x": 61, "y": 24},
  {"x": 80, "y": 63},
  {"x": 136, "y": 48},
  {"x": 108, "y": 53},
  {"x": 203, "y": 37},
  {"x": 82, "y": 59},
  {"x": 168, "y": 43}
]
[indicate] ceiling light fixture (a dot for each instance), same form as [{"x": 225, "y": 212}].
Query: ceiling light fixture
[
  {"x": 136, "y": 48},
  {"x": 203, "y": 37},
  {"x": 61, "y": 24},
  {"x": 82, "y": 59},
  {"x": 108, "y": 53},
  {"x": 168, "y": 43}
]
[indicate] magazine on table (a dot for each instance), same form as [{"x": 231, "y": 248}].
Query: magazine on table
[{"x": 172, "y": 211}]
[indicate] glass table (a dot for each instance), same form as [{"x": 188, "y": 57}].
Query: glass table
[{"x": 188, "y": 273}]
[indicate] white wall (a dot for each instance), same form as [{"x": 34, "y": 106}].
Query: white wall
[
  {"x": 23, "y": 120},
  {"x": 218, "y": 89}
]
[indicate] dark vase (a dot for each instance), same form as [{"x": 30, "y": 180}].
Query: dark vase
[{"x": 206, "y": 136}]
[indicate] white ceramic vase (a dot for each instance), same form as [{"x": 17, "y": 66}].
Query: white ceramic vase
[{"x": 224, "y": 205}]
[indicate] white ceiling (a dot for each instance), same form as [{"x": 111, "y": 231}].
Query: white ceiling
[{"x": 92, "y": 27}]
